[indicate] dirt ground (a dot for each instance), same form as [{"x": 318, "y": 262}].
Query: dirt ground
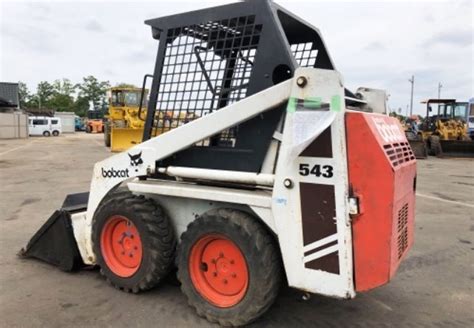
[{"x": 433, "y": 287}]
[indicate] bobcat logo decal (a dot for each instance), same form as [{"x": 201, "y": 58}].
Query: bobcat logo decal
[{"x": 136, "y": 160}]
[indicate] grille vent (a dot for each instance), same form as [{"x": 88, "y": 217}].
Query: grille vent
[
  {"x": 399, "y": 153},
  {"x": 402, "y": 230},
  {"x": 304, "y": 54}
]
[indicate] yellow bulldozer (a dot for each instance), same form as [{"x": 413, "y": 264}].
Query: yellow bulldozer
[
  {"x": 445, "y": 132},
  {"x": 124, "y": 124}
]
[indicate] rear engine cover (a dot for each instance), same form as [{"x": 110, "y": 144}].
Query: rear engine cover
[{"x": 382, "y": 174}]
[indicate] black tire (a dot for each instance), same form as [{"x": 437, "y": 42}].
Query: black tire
[
  {"x": 107, "y": 135},
  {"x": 46, "y": 134},
  {"x": 261, "y": 255},
  {"x": 157, "y": 239},
  {"x": 55, "y": 133},
  {"x": 88, "y": 129},
  {"x": 435, "y": 146}
]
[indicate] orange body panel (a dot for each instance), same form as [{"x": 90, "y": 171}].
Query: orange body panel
[
  {"x": 96, "y": 126},
  {"x": 382, "y": 174}
]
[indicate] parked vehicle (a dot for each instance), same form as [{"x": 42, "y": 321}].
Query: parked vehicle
[
  {"x": 94, "y": 122},
  {"x": 44, "y": 126},
  {"x": 445, "y": 130},
  {"x": 79, "y": 124},
  {"x": 123, "y": 127}
]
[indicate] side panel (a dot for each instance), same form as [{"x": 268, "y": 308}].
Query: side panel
[
  {"x": 182, "y": 211},
  {"x": 311, "y": 213},
  {"x": 382, "y": 172}
]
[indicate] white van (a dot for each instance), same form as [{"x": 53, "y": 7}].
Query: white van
[{"x": 44, "y": 126}]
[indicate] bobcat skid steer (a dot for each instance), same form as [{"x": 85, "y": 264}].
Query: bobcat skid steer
[{"x": 275, "y": 176}]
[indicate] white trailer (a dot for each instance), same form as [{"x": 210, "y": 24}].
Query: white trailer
[{"x": 44, "y": 126}]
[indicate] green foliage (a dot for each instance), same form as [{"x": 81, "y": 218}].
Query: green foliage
[
  {"x": 62, "y": 99},
  {"x": 93, "y": 90},
  {"x": 24, "y": 94},
  {"x": 65, "y": 96},
  {"x": 44, "y": 92},
  {"x": 81, "y": 106}
]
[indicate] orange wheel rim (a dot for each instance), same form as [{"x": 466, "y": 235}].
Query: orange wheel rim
[
  {"x": 218, "y": 270},
  {"x": 121, "y": 246}
]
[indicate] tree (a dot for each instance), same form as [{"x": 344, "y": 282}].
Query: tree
[
  {"x": 62, "y": 98},
  {"x": 64, "y": 87},
  {"x": 81, "y": 106},
  {"x": 23, "y": 94},
  {"x": 93, "y": 90},
  {"x": 44, "y": 92}
]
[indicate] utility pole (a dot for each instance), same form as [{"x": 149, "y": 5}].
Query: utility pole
[
  {"x": 439, "y": 90},
  {"x": 412, "y": 81}
]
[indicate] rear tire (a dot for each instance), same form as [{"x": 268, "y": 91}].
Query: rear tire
[
  {"x": 133, "y": 241},
  {"x": 55, "y": 133},
  {"x": 88, "y": 129},
  {"x": 229, "y": 267},
  {"x": 46, "y": 134}
]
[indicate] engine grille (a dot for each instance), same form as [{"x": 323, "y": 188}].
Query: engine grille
[
  {"x": 399, "y": 153},
  {"x": 402, "y": 230}
]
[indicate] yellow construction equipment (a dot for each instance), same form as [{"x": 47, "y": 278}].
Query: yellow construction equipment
[
  {"x": 124, "y": 122},
  {"x": 124, "y": 126},
  {"x": 445, "y": 132},
  {"x": 94, "y": 121}
]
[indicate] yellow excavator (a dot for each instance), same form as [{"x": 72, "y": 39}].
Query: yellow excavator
[{"x": 124, "y": 122}]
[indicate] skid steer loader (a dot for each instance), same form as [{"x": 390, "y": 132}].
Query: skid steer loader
[{"x": 270, "y": 173}]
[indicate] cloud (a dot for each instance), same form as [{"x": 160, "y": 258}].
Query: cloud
[
  {"x": 460, "y": 38},
  {"x": 433, "y": 42},
  {"x": 94, "y": 26},
  {"x": 375, "y": 46},
  {"x": 30, "y": 38}
]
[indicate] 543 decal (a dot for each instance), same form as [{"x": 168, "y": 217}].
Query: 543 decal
[{"x": 325, "y": 171}]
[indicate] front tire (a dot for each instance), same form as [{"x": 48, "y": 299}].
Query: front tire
[
  {"x": 107, "y": 134},
  {"x": 229, "y": 267},
  {"x": 435, "y": 146},
  {"x": 134, "y": 242},
  {"x": 55, "y": 133}
]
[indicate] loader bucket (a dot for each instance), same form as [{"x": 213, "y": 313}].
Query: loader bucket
[
  {"x": 457, "y": 148},
  {"x": 54, "y": 242},
  {"x": 122, "y": 139},
  {"x": 419, "y": 148}
]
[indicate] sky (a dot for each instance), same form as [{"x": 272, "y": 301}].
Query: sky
[{"x": 378, "y": 44}]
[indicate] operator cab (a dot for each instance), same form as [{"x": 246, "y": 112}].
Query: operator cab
[
  {"x": 95, "y": 115},
  {"x": 127, "y": 97},
  {"x": 445, "y": 110}
]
